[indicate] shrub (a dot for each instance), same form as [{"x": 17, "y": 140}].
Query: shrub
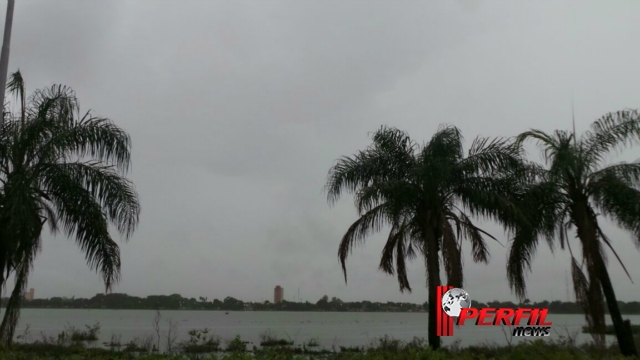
[
  {"x": 200, "y": 342},
  {"x": 236, "y": 345},
  {"x": 268, "y": 338}
]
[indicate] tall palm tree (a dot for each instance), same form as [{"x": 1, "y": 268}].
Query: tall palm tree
[
  {"x": 576, "y": 186},
  {"x": 427, "y": 195},
  {"x": 66, "y": 169}
]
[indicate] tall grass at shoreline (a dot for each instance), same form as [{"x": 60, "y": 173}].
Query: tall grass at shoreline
[{"x": 81, "y": 343}]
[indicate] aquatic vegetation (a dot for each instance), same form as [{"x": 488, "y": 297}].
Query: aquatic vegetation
[
  {"x": 203, "y": 345},
  {"x": 537, "y": 350},
  {"x": 236, "y": 345},
  {"x": 200, "y": 341}
]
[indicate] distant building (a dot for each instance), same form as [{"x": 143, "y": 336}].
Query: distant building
[
  {"x": 29, "y": 295},
  {"x": 278, "y": 294}
]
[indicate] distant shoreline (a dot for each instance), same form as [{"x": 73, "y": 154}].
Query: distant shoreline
[
  {"x": 289, "y": 311},
  {"x": 325, "y": 304}
]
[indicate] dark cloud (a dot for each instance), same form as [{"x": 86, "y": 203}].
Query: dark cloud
[{"x": 238, "y": 109}]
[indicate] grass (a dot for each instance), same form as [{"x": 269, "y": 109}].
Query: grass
[
  {"x": 312, "y": 343},
  {"x": 90, "y": 334},
  {"x": 268, "y": 339},
  {"x": 200, "y": 342},
  {"x": 237, "y": 345},
  {"x": 536, "y": 350},
  {"x": 71, "y": 344}
]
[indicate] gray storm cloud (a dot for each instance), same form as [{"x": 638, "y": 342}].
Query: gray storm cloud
[{"x": 238, "y": 109}]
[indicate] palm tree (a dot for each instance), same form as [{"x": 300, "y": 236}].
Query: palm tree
[
  {"x": 64, "y": 169},
  {"x": 427, "y": 195},
  {"x": 575, "y": 188}
]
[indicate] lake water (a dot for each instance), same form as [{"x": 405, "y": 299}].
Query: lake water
[{"x": 328, "y": 328}]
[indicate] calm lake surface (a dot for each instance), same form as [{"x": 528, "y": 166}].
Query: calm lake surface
[{"x": 329, "y": 328}]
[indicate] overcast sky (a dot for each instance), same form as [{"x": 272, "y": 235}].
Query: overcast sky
[{"x": 237, "y": 110}]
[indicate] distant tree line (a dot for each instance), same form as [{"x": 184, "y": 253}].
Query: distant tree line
[{"x": 177, "y": 302}]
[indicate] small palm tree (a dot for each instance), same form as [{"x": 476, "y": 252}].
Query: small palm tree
[
  {"x": 60, "y": 168},
  {"x": 427, "y": 195},
  {"x": 572, "y": 192}
]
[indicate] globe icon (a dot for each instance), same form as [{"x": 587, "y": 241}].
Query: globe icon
[{"x": 455, "y": 300}]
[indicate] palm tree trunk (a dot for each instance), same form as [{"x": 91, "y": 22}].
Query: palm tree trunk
[
  {"x": 1, "y": 282},
  {"x": 10, "y": 318},
  {"x": 3, "y": 262},
  {"x": 12, "y": 313},
  {"x": 433, "y": 281},
  {"x": 587, "y": 232},
  {"x": 623, "y": 334}
]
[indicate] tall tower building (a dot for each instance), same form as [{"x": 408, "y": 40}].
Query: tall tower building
[
  {"x": 278, "y": 294},
  {"x": 29, "y": 295}
]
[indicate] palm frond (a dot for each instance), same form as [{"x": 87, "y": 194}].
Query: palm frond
[
  {"x": 488, "y": 198},
  {"x": 98, "y": 138},
  {"x": 371, "y": 221},
  {"x": 397, "y": 194},
  {"x": 444, "y": 147},
  {"x": 611, "y": 132},
  {"x": 397, "y": 248},
  {"x": 56, "y": 103},
  {"x": 395, "y": 143},
  {"x": 628, "y": 173},
  {"x": 475, "y": 235},
  {"x": 82, "y": 217},
  {"x": 608, "y": 243},
  {"x": 390, "y": 157},
  {"x": 487, "y": 156},
  {"x": 17, "y": 87},
  {"x": 550, "y": 144},
  {"x": 388, "y": 252},
  {"x": 114, "y": 193},
  {"x": 50, "y": 216},
  {"x": 618, "y": 200},
  {"x": 521, "y": 253},
  {"x": 539, "y": 210}
]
